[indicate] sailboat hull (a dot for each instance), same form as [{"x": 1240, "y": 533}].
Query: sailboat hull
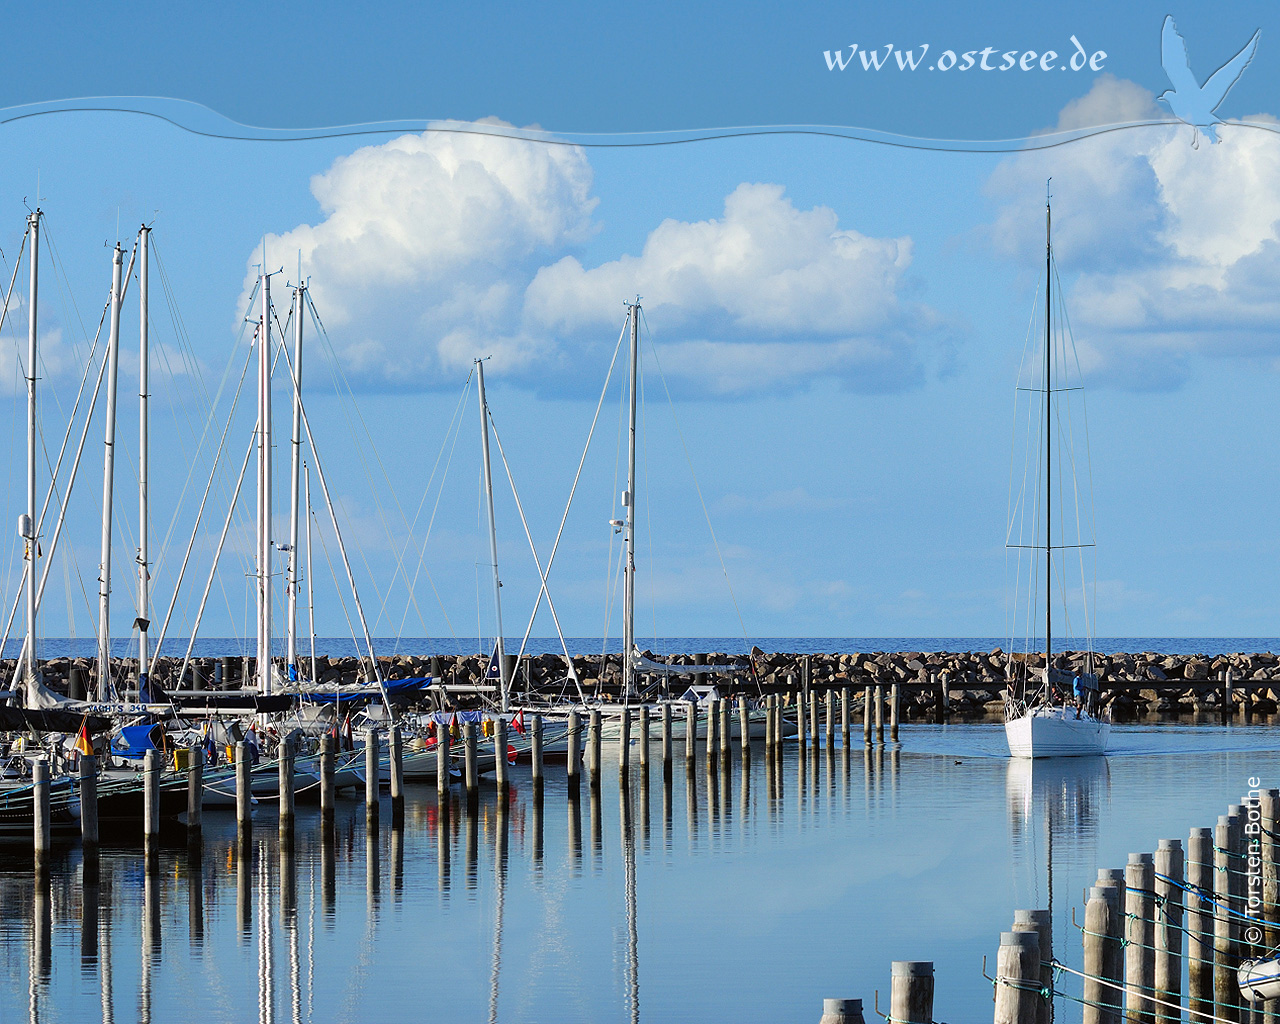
[{"x": 1056, "y": 732}]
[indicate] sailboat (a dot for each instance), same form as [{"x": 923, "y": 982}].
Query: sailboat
[{"x": 1058, "y": 714}]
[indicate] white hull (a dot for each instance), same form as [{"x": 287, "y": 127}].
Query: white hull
[
  {"x": 1056, "y": 732},
  {"x": 1259, "y": 979}
]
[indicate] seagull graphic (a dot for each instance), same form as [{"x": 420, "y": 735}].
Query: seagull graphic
[{"x": 1190, "y": 101}]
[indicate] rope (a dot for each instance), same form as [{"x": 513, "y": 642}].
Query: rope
[{"x": 1123, "y": 988}]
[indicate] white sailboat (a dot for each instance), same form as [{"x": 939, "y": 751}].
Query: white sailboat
[{"x": 1056, "y": 714}]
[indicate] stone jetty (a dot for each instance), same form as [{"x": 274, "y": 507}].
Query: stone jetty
[{"x": 1131, "y": 684}]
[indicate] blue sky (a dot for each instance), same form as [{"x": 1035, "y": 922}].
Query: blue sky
[{"x": 839, "y": 322}]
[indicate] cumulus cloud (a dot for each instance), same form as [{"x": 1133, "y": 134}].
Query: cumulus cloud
[
  {"x": 436, "y": 248},
  {"x": 1169, "y": 252},
  {"x": 426, "y": 242}
]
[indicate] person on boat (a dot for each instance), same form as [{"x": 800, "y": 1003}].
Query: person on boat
[{"x": 1077, "y": 685}]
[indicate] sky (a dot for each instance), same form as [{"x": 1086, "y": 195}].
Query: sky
[{"x": 831, "y": 440}]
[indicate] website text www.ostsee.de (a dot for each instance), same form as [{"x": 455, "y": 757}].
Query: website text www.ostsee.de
[{"x": 989, "y": 58}]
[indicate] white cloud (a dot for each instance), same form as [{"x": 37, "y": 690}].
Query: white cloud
[
  {"x": 427, "y": 241},
  {"x": 1169, "y": 251}
]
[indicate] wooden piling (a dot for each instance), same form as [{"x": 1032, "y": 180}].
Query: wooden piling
[
  {"x": 713, "y": 718},
  {"x": 666, "y": 741},
  {"x": 841, "y": 1011},
  {"x": 244, "y": 792},
  {"x": 1017, "y": 978},
  {"x": 42, "y": 832},
  {"x": 769, "y": 706},
  {"x": 285, "y": 789},
  {"x": 1099, "y": 997},
  {"x": 1199, "y": 871},
  {"x": 1040, "y": 922},
  {"x": 535, "y": 756},
  {"x": 726, "y": 730},
  {"x": 624, "y": 745},
  {"x": 1228, "y": 696},
  {"x": 690, "y": 734},
  {"x": 470, "y": 740},
  {"x": 372, "y": 773},
  {"x": 911, "y": 991},
  {"x": 1110, "y": 884},
  {"x": 845, "y": 722},
  {"x": 879, "y": 713},
  {"x": 89, "y": 806},
  {"x": 1139, "y": 953},
  {"x": 744, "y": 729},
  {"x": 866, "y": 717},
  {"x": 573, "y": 759},
  {"x": 830, "y": 711},
  {"x": 593, "y": 748},
  {"x": 894, "y": 711},
  {"x": 1224, "y": 980},
  {"x": 500, "y": 767},
  {"x": 802, "y": 723},
  {"x": 1168, "y": 929},
  {"x": 814, "y": 726},
  {"x": 326, "y": 782},
  {"x": 443, "y": 743},
  {"x": 151, "y": 808},
  {"x": 397, "y": 776},
  {"x": 644, "y": 737}
]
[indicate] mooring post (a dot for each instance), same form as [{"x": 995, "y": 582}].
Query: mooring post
[
  {"x": 470, "y": 740},
  {"x": 1040, "y": 922},
  {"x": 1099, "y": 998},
  {"x": 372, "y": 773},
  {"x": 151, "y": 808},
  {"x": 593, "y": 748},
  {"x": 624, "y": 745},
  {"x": 894, "y": 711},
  {"x": 666, "y": 741},
  {"x": 397, "y": 777},
  {"x": 911, "y": 991},
  {"x": 535, "y": 755},
  {"x": 644, "y": 737},
  {"x": 713, "y": 716},
  {"x": 1018, "y": 978},
  {"x": 814, "y": 726},
  {"x": 1270, "y": 806},
  {"x": 744, "y": 729},
  {"x": 1224, "y": 979},
  {"x": 769, "y": 706},
  {"x": 1200, "y": 928},
  {"x": 89, "y": 806},
  {"x": 1228, "y": 696},
  {"x": 866, "y": 717},
  {"x": 42, "y": 830},
  {"x": 500, "y": 772},
  {"x": 830, "y": 711},
  {"x": 802, "y": 723},
  {"x": 326, "y": 782},
  {"x": 844, "y": 717},
  {"x": 1168, "y": 929},
  {"x": 573, "y": 763},
  {"x": 443, "y": 742},
  {"x": 1111, "y": 884},
  {"x": 244, "y": 792},
  {"x": 285, "y": 788},
  {"x": 690, "y": 734},
  {"x": 879, "y": 713},
  {"x": 726, "y": 739},
  {"x": 1237, "y": 815},
  {"x": 841, "y": 1011},
  {"x": 1139, "y": 953}
]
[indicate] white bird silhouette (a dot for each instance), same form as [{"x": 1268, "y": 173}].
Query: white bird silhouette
[{"x": 1190, "y": 101}]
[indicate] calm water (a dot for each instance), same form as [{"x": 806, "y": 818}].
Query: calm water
[
  {"x": 213, "y": 647},
  {"x": 722, "y": 897}
]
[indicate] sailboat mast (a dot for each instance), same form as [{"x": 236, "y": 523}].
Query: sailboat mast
[
  {"x": 144, "y": 588},
  {"x": 629, "y": 502},
  {"x": 504, "y": 682},
  {"x": 33, "y": 227},
  {"x": 108, "y": 482},
  {"x": 264, "y": 486},
  {"x": 1048, "y": 468},
  {"x": 299, "y": 303},
  {"x": 311, "y": 597}
]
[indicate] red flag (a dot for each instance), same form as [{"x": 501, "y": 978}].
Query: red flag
[{"x": 518, "y": 722}]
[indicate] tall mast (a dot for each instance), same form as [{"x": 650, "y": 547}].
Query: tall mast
[
  {"x": 1048, "y": 468},
  {"x": 264, "y": 486},
  {"x": 108, "y": 482},
  {"x": 32, "y": 549},
  {"x": 629, "y": 504},
  {"x": 503, "y": 681},
  {"x": 144, "y": 577},
  {"x": 291, "y": 587},
  {"x": 311, "y": 597}
]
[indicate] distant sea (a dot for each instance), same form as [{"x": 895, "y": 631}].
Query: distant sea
[{"x": 214, "y": 647}]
